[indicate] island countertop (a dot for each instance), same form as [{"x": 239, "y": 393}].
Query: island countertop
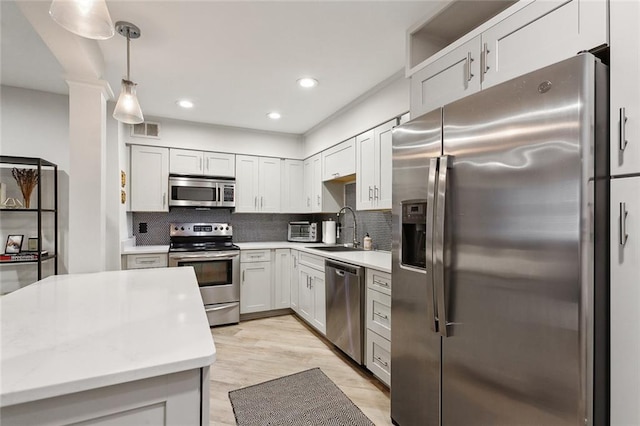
[{"x": 71, "y": 333}]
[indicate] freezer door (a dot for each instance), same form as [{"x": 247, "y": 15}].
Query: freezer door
[
  {"x": 415, "y": 343},
  {"x": 516, "y": 250}
]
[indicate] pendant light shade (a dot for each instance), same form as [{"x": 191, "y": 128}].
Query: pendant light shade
[
  {"x": 86, "y": 18},
  {"x": 128, "y": 108}
]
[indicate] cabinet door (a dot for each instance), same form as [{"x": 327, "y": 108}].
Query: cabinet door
[
  {"x": 453, "y": 76},
  {"x": 219, "y": 164},
  {"x": 625, "y": 301},
  {"x": 365, "y": 170},
  {"x": 247, "y": 182},
  {"x": 305, "y": 299},
  {"x": 269, "y": 184},
  {"x": 293, "y": 199},
  {"x": 255, "y": 287},
  {"x": 317, "y": 183},
  {"x": 540, "y": 34},
  {"x": 319, "y": 319},
  {"x": 295, "y": 277},
  {"x": 340, "y": 160},
  {"x": 282, "y": 284},
  {"x": 185, "y": 162},
  {"x": 382, "y": 189},
  {"x": 625, "y": 86},
  {"x": 308, "y": 184},
  {"x": 149, "y": 179}
]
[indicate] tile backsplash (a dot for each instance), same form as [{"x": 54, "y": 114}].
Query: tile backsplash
[{"x": 265, "y": 227}]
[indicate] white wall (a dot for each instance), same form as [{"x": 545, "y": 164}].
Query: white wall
[
  {"x": 387, "y": 100},
  {"x": 36, "y": 124},
  {"x": 209, "y": 137}
]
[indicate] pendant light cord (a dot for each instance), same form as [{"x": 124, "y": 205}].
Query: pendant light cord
[{"x": 128, "y": 42}]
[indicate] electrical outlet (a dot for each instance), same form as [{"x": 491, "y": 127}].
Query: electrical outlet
[{"x": 142, "y": 227}]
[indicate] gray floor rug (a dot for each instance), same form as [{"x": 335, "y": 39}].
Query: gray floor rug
[{"x": 308, "y": 398}]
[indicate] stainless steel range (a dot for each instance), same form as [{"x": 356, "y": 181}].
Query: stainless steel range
[{"x": 209, "y": 249}]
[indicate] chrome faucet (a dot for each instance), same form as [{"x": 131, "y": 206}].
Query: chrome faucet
[{"x": 355, "y": 225}]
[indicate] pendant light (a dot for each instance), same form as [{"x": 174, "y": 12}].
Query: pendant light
[
  {"x": 128, "y": 108},
  {"x": 86, "y": 18}
]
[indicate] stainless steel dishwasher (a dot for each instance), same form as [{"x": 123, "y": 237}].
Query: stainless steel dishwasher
[{"x": 345, "y": 307}]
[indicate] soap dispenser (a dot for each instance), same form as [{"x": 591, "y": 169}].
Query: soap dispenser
[{"x": 368, "y": 243}]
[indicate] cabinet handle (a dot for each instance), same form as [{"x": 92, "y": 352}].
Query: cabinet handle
[
  {"x": 207, "y": 164},
  {"x": 318, "y": 200},
  {"x": 146, "y": 262},
  {"x": 261, "y": 202},
  {"x": 483, "y": 59},
  {"x": 623, "y": 237},
  {"x": 200, "y": 164},
  {"x": 295, "y": 262},
  {"x": 622, "y": 127},
  {"x": 335, "y": 174},
  {"x": 383, "y": 316},
  {"x": 469, "y": 60},
  {"x": 243, "y": 276},
  {"x": 164, "y": 199},
  {"x": 370, "y": 193},
  {"x": 308, "y": 202},
  {"x": 381, "y": 283},
  {"x": 381, "y": 361},
  {"x": 375, "y": 193},
  {"x": 255, "y": 202}
]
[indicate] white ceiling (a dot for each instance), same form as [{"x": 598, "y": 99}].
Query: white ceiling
[{"x": 236, "y": 60}]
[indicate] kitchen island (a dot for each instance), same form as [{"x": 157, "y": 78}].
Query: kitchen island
[{"x": 122, "y": 347}]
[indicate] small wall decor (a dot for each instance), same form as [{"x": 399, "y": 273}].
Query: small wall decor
[
  {"x": 123, "y": 197},
  {"x": 27, "y": 180},
  {"x": 32, "y": 244},
  {"x": 123, "y": 178},
  {"x": 14, "y": 244}
]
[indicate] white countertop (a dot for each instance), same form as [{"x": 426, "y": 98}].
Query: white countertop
[
  {"x": 144, "y": 249},
  {"x": 71, "y": 333},
  {"x": 380, "y": 260}
]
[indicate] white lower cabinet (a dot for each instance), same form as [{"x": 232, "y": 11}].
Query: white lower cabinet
[
  {"x": 294, "y": 277},
  {"x": 625, "y": 301},
  {"x": 378, "y": 323},
  {"x": 282, "y": 279},
  {"x": 311, "y": 291},
  {"x": 144, "y": 261},
  {"x": 255, "y": 287}
]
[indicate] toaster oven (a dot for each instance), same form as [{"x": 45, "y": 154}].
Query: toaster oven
[{"x": 305, "y": 232}]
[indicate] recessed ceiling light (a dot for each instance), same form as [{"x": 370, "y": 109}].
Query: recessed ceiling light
[
  {"x": 307, "y": 82},
  {"x": 274, "y": 115},
  {"x": 185, "y": 103}
]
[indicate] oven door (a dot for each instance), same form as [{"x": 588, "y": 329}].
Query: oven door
[
  {"x": 218, "y": 273},
  {"x": 193, "y": 192}
]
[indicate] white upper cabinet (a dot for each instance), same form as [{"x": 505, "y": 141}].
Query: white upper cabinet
[
  {"x": 149, "y": 179},
  {"x": 190, "y": 162},
  {"x": 624, "y": 77},
  {"x": 454, "y": 76},
  {"x": 374, "y": 168},
  {"x": 292, "y": 191},
  {"x": 258, "y": 184},
  {"x": 339, "y": 161},
  {"x": 523, "y": 38},
  {"x": 625, "y": 301},
  {"x": 542, "y": 33}
]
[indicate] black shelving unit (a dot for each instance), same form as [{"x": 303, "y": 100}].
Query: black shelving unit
[{"x": 39, "y": 163}]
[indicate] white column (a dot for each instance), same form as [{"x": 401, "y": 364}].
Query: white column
[{"x": 87, "y": 176}]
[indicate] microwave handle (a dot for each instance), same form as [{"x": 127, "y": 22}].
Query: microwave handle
[{"x": 219, "y": 199}]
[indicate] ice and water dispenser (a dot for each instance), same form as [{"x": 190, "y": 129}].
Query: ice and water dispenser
[{"x": 414, "y": 233}]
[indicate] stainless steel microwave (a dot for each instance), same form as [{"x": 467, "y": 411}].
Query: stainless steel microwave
[
  {"x": 305, "y": 232},
  {"x": 201, "y": 192}
]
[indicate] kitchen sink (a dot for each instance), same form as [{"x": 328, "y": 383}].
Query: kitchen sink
[{"x": 336, "y": 248}]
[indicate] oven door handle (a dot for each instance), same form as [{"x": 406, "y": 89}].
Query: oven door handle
[{"x": 220, "y": 256}]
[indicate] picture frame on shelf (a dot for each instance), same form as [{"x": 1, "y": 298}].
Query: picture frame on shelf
[
  {"x": 14, "y": 244},
  {"x": 32, "y": 244}
]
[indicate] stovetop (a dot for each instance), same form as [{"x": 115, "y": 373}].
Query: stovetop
[{"x": 201, "y": 237}]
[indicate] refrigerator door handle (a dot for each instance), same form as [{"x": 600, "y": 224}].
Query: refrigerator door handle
[
  {"x": 432, "y": 311},
  {"x": 438, "y": 244}
]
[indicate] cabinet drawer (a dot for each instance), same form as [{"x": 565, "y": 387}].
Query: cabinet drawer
[
  {"x": 379, "y": 356},
  {"x": 140, "y": 261},
  {"x": 255, "y": 255},
  {"x": 379, "y": 313},
  {"x": 378, "y": 280},
  {"x": 316, "y": 262}
]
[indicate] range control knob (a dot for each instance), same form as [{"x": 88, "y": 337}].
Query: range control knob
[
  {"x": 176, "y": 228},
  {"x": 215, "y": 229},
  {"x": 182, "y": 228},
  {"x": 227, "y": 228}
]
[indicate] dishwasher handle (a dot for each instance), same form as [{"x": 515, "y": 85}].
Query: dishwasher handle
[{"x": 342, "y": 268}]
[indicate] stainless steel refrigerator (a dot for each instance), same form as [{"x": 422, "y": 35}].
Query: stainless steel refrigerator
[{"x": 500, "y": 270}]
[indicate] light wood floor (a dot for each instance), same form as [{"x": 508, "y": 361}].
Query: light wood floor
[{"x": 264, "y": 349}]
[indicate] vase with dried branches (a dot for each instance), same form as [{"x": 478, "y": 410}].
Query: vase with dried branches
[{"x": 27, "y": 180}]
